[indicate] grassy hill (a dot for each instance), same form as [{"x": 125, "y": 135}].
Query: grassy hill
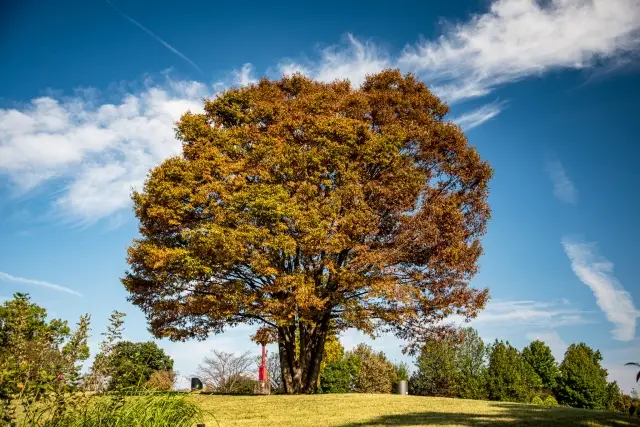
[{"x": 359, "y": 410}]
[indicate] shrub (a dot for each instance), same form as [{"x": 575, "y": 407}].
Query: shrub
[
  {"x": 537, "y": 401},
  {"x": 550, "y": 401},
  {"x": 376, "y": 374},
  {"x": 339, "y": 376},
  {"x": 239, "y": 384},
  {"x": 161, "y": 381}
]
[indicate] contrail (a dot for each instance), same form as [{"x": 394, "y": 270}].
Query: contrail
[
  {"x": 152, "y": 34},
  {"x": 10, "y": 278}
]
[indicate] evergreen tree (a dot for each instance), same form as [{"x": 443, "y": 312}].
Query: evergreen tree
[
  {"x": 539, "y": 356},
  {"x": 436, "y": 373},
  {"x": 582, "y": 382},
  {"x": 509, "y": 376},
  {"x": 471, "y": 355}
]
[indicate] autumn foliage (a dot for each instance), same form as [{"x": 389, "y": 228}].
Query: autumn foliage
[{"x": 309, "y": 208}]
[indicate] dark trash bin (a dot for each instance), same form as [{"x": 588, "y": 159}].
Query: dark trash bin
[
  {"x": 402, "y": 387},
  {"x": 196, "y": 384}
]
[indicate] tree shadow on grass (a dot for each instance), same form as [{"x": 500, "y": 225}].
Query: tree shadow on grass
[{"x": 507, "y": 415}]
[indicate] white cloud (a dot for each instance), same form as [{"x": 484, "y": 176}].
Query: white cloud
[
  {"x": 476, "y": 117},
  {"x": 244, "y": 76},
  {"x": 353, "y": 60},
  {"x": 102, "y": 151},
  {"x": 555, "y": 342},
  {"x": 563, "y": 188},
  {"x": 597, "y": 273},
  {"x": 521, "y": 38},
  {"x": 15, "y": 279}
]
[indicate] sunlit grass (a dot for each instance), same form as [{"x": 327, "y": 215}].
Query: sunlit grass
[{"x": 355, "y": 410}]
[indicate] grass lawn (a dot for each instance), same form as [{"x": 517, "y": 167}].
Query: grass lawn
[{"x": 356, "y": 410}]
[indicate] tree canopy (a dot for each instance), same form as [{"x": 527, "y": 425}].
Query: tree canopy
[{"x": 309, "y": 208}]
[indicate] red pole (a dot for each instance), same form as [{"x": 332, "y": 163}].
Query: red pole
[{"x": 262, "y": 371}]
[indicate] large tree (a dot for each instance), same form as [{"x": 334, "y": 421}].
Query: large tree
[{"x": 308, "y": 208}]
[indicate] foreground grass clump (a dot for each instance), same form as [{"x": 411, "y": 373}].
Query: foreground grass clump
[
  {"x": 371, "y": 410},
  {"x": 145, "y": 410}
]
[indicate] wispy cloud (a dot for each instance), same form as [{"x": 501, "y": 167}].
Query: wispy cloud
[
  {"x": 563, "y": 187},
  {"x": 596, "y": 272},
  {"x": 476, "y": 117},
  {"x": 531, "y": 313},
  {"x": 155, "y": 36},
  {"x": 15, "y": 279},
  {"x": 521, "y": 38}
]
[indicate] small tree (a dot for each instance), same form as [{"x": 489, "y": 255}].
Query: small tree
[
  {"x": 582, "y": 382},
  {"x": 436, "y": 373},
  {"x": 40, "y": 360},
  {"x": 275, "y": 373},
  {"x": 402, "y": 371},
  {"x": 470, "y": 360},
  {"x": 613, "y": 397},
  {"x": 130, "y": 365},
  {"x": 226, "y": 372},
  {"x": 539, "y": 356},
  {"x": 509, "y": 376}
]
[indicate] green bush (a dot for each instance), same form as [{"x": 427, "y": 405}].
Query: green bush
[
  {"x": 338, "y": 376},
  {"x": 537, "y": 401},
  {"x": 550, "y": 401}
]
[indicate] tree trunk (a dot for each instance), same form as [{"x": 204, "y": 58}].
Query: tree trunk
[{"x": 301, "y": 348}]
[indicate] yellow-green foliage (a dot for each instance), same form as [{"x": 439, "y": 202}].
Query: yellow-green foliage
[
  {"x": 550, "y": 401},
  {"x": 537, "y": 401}
]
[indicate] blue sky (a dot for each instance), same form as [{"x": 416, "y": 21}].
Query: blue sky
[{"x": 546, "y": 90}]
